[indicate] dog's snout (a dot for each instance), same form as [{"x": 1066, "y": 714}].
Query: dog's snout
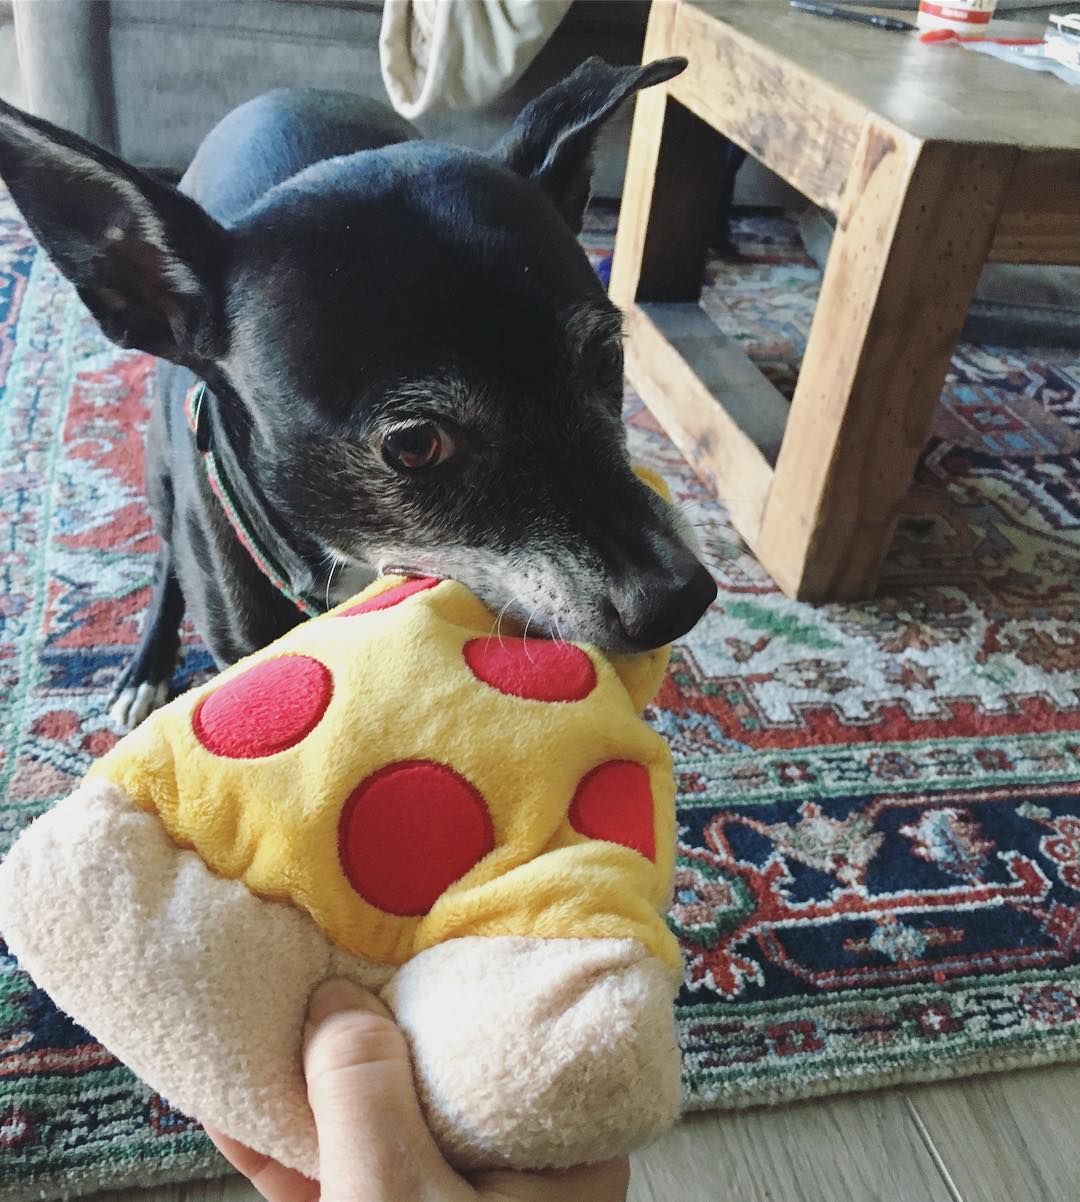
[{"x": 664, "y": 609}]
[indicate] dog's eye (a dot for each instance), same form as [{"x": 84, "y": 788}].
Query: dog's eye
[
  {"x": 416, "y": 446},
  {"x": 607, "y": 365}
]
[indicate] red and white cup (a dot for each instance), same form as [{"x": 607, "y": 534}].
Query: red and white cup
[{"x": 962, "y": 16}]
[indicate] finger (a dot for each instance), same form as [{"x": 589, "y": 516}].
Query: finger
[
  {"x": 607, "y": 1181},
  {"x": 361, "y": 1092},
  {"x": 274, "y": 1181}
]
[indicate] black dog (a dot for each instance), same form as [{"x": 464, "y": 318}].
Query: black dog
[{"x": 406, "y": 363}]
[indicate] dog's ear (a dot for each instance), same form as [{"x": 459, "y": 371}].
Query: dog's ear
[
  {"x": 552, "y": 140},
  {"x": 147, "y": 261}
]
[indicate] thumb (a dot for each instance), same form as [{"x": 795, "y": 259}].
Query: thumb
[{"x": 373, "y": 1142}]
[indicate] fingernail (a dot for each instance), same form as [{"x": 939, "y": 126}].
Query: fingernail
[{"x": 337, "y": 994}]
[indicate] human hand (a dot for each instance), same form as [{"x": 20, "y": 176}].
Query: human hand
[{"x": 374, "y": 1145}]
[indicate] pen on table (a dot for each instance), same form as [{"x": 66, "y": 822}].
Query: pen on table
[{"x": 846, "y": 14}]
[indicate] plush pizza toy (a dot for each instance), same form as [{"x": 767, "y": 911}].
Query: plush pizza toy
[{"x": 479, "y": 826}]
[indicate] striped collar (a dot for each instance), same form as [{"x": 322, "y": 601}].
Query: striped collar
[{"x": 255, "y": 531}]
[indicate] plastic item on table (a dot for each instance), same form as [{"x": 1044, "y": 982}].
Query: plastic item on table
[
  {"x": 939, "y": 37},
  {"x": 963, "y": 16},
  {"x": 1063, "y": 41},
  {"x": 1034, "y": 54}
]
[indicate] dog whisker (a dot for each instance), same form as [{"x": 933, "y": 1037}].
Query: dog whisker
[
  {"x": 335, "y": 563},
  {"x": 496, "y": 626},
  {"x": 525, "y": 635}
]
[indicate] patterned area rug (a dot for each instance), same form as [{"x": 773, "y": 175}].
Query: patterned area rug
[{"x": 879, "y": 868}]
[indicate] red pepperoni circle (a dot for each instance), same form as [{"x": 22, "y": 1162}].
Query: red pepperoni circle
[
  {"x": 536, "y": 669},
  {"x": 266, "y": 709},
  {"x": 392, "y": 596},
  {"x": 408, "y": 832},
  {"x": 614, "y": 802}
]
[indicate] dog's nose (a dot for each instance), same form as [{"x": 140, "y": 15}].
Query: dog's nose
[{"x": 660, "y": 611}]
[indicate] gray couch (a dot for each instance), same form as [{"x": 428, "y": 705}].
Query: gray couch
[
  {"x": 10, "y": 76},
  {"x": 149, "y": 77}
]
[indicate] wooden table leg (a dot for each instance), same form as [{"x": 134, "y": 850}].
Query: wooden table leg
[
  {"x": 724, "y": 416},
  {"x": 671, "y": 191},
  {"x": 914, "y": 231},
  {"x": 718, "y": 409}
]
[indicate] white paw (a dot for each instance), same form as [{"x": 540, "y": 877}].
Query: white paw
[{"x": 136, "y": 704}]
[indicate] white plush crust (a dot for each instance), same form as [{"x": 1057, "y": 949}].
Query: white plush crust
[
  {"x": 529, "y": 1053},
  {"x": 195, "y": 983},
  {"x": 540, "y": 1053}
]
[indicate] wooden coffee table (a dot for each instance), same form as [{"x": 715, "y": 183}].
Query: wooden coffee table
[{"x": 933, "y": 160}]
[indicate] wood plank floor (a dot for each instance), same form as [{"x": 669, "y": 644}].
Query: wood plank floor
[{"x": 1012, "y": 1137}]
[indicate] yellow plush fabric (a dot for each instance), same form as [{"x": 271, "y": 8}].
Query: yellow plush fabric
[{"x": 398, "y": 696}]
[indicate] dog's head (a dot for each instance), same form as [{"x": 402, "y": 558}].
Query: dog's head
[{"x": 410, "y": 345}]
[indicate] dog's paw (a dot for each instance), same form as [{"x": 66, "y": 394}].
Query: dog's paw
[{"x": 135, "y": 703}]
